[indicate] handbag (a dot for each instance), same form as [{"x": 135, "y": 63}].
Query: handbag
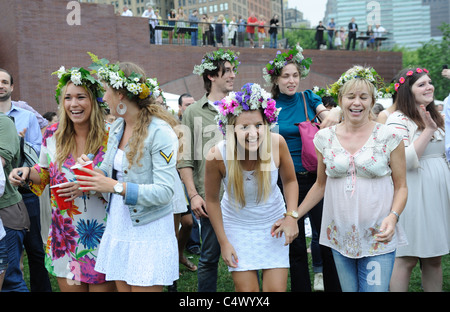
[{"x": 308, "y": 130}]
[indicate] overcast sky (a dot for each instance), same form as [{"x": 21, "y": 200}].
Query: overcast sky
[{"x": 313, "y": 10}]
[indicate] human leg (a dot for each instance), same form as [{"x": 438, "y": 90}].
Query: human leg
[
  {"x": 3, "y": 260},
  {"x": 245, "y": 281},
  {"x": 347, "y": 271},
  {"x": 13, "y": 280},
  {"x": 34, "y": 247},
  {"x": 432, "y": 274},
  {"x": 401, "y": 274},
  {"x": 209, "y": 258},
  {"x": 275, "y": 280},
  {"x": 367, "y": 274}
]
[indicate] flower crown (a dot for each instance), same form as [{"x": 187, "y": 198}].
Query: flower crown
[
  {"x": 360, "y": 72},
  {"x": 79, "y": 76},
  {"x": 115, "y": 77},
  {"x": 273, "y": 68},
  {"x": 393, "y": 87},
  {"x": 219, "y": 55},
  {"x": 250, "y": 97}
]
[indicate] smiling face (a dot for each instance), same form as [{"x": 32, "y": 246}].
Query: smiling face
[
  {"x": 357, "y": 101},
  {"x": 250, "y": 130},
  {"x": 423, "y": 91},
  {"x": 6, "y": 88},
  {"x": 77, "y": 104},
  {"x": 289, "y": 79},
  {"x": 224, "y": 83}
]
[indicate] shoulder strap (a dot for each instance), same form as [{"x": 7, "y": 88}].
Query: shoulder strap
[{"x": 304, "y": 104}]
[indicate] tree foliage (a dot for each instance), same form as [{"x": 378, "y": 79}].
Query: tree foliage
[{"x": 432, "y": 55}]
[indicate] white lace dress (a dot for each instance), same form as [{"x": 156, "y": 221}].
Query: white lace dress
[
  {"x": 248, "y": 228},
  {"x": 143, "y": 255}
]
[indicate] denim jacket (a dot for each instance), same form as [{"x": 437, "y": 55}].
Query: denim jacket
[{"x": 150, "y": 183}]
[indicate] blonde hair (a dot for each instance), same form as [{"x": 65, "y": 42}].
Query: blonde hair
[
  {"x": 65, "y": 134},
  {"x": 262, "y": 170},
  {"x": 147, "y": 109},
  {"x": 358, "y": 84}
]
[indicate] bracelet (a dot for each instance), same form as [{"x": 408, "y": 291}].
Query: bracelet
[
  {"x": 190, "y": 198},
  {"x": 396, "y": 214}
]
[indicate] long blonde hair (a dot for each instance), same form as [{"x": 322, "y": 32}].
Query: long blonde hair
[
  {"x": 147, "y": 109},
  {"x": 262, "y": 170},
  {"x": 65, "y": 134}
]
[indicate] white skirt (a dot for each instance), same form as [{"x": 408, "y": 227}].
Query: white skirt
[{"x": 143, "y": 255}]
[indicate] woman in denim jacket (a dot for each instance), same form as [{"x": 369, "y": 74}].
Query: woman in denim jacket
[{"x": 139, "y": 248}]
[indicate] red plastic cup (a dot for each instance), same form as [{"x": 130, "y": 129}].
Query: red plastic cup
[
  {"x": 62, "y": 204},
  {"x": 76, "y": 169}
]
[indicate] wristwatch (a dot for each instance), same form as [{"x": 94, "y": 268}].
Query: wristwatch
[
  {"x": 293, "y": 214},
  {"x": 118, "y": 188}
]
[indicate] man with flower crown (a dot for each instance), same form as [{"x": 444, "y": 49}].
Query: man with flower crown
[{"x": 218, "y": 70}]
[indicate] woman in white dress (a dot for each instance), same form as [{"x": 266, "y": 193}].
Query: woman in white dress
[
  {"x": 361, "y": 176},
  {"x": 427, "y": 213},
  {"x": 248, "y": 163},
  {"x": 139, "y": 248}
]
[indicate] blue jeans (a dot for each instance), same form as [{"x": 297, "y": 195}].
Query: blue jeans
[
  {"x": 3, "y": 255},
  {"x": 273, "y": 40},
  {"x": 367, "y": 274},
  {"x": 14, "y": 281},
  {"x": 209, "y": 258},
  {"x": 194, "y": 37},
  {"x": 34, "y": 247}
]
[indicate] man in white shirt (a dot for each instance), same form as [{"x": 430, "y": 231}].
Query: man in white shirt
[
  {"x": 150, "y": 14},
  {"x": 126, "y": 11},
  {"x": 378, "y": 33}
]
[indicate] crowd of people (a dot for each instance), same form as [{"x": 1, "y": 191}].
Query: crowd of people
[
  {"x": 216, "y": 32},
  {"x": 378, "y": 200},
  {"x": 340, "y": 38}
]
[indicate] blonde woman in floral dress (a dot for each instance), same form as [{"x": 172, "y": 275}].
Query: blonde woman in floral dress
[
  {"x": 75, "y": 233},
  {"x": 361, "y": 175}
]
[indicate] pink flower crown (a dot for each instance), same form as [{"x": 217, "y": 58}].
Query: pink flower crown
[
  {"x": 250, "y": 97},
  {"x": 402, "y": 80}
]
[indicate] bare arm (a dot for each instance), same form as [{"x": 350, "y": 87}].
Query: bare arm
[
  {"x": 290, "y": 190},
  {"x": 198, "y": 205},
  {"x": 214, "y": 171}
]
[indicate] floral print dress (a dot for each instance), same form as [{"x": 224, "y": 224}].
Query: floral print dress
[
  {"x": 358, "y": 194},
  {"x": 75, "y": 233}
]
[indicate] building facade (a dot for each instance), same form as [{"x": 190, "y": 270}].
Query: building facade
[{"x": 408, "y": 23}]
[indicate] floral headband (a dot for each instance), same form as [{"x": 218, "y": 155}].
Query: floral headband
[
  {"x": 250, "y": 97},
  {"x": 359, "y": 72},
  {"x": 274, "y": 67},
  {"x": 116, "y": 78},
  {"x": 79, "y": 76},
  {"x": 394, "y": 86},
  {"x": 219, "y": 55}
]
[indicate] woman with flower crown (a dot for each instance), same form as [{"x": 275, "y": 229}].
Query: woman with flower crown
[
  {"x": 248, "y": 162},
  {"x": 427, "y": 213},
  {"x": 139, "y": 250},
  {"x": 284, "y": 74},
  {"x": 361, "y": 177},
  {"x": 75, "y": 233}
]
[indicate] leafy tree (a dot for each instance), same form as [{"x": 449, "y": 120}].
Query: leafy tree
[
  {"x": 432, "y": 55},
  {"x": 301, "y": 35}
]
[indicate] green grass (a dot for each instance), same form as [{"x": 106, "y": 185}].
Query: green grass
[{"x": 188, "y": 280}]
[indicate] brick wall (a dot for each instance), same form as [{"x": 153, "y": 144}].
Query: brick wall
[{"x": 36, "y": 40}]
